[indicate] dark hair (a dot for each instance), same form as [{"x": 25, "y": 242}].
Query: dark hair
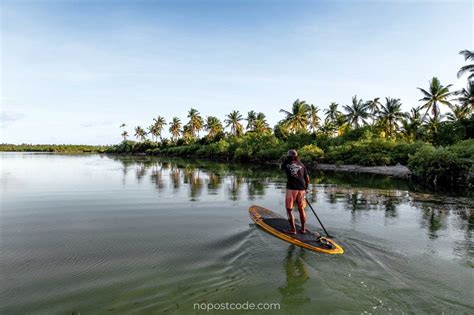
[{"x": 292, "y": 158}]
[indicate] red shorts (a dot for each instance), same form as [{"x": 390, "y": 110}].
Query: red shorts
[{"x": 295, "y": 195}]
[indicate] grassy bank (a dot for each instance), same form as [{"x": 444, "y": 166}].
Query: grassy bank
[{"x": 58, "y": 148}]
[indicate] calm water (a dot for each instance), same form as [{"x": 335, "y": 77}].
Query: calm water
[{"x": 95, "y": 234}]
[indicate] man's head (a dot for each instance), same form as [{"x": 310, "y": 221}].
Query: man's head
[
  {"x": 292, "y": 152},
  {"x": 292, "y": 155}
]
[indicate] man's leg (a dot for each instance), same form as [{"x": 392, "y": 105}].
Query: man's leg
[
  {"x": 289, "y": 211},
  {"x": 291, "y": 220},
  {"x": 301, "y": 206}
]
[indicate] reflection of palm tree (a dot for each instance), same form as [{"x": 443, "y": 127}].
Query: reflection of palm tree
[
  {"x": 293, "y": 293},
  {"x": 140, "y": 171},
  {"x": 175, "y": 177},
  {"x": 214, "y": 183},
  {"x": 157, "y": 177},
  {"x": 196, "y": 185},
  {"x": 234, "y": 187},
  {"x": 255, "y": 187}
]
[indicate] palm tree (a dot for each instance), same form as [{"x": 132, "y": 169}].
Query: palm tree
[
  {"x": 160, "y": 124},
  {"x": 466, "y": 96},
  {"x": 260, "y": 124},
  {"x": 328, "y": 128},
  {"x": 233, "y": 120},
  {"x": 124, "y": 135},
  {"x": 373, "y": 106},
  {"x": 333, "y": 118},
  {"x": 251, "y": 116},
  {"x": 123, "y": 125},
  {"x": 433, "y": 124},
  {"x": 468, "y": 55},
  {"x": 281, "y": 130},
  {"x": 436, "y": 94},
  {"x": 357, "y": 112},
  {"x": 458, "y": 112},
  {"x": 390, "y": 114},
  {"x": 175, "y": 128},
  {"x": 313, "y": 117},
  {"x": 140, "y": 133},
  {"x": 153, "y": 131},
  {"x": 196, "y": 122},
  {"x": 297, "y": 119},
  {"x": 213, "y": 126},
  {"x": 411, "y": 124},
  {"x": 187, "y": 133}
]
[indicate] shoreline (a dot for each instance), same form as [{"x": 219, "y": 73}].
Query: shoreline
[{"x": 396, "y": 171}]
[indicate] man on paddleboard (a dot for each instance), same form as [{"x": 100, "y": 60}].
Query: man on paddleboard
[{"x": 296, "y": 185}]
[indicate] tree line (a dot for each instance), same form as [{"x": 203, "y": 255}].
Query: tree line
[{"x": 385, "y": 117}]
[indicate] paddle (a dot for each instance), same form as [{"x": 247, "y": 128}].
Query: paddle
[{"x": 327, "y": 234}]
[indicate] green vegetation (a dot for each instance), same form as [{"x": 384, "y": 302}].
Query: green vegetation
[
  {"x": 59, "y": 148},
  {"x": 433, "y": 145}
]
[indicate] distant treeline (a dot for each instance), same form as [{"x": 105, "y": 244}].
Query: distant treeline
[
  {"x": 60, "y": 148},
  {"x": 438, "y": 148}
]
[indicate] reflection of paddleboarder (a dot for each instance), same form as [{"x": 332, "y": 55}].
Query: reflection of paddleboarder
[
  {"x": 296, "y": 275},
  {"x": 296, "y": 185}
]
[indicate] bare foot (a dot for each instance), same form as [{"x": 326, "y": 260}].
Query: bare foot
[
  {"x": 290, "y": 232},
  {"x": 303, "y": 231}
]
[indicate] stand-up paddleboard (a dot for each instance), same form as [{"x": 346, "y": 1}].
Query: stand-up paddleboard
[{"x": 276, "y": 225}]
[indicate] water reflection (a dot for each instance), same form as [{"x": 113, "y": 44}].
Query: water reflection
[
  {"x": 357, "y": 194},
  {"x": 175, "y": 176},
  {"x": 293, "y": 291},
  {"x": 234, "y": 187},
  {"x": 214, "y": 183},
  {"x": 157, "y": 176}
]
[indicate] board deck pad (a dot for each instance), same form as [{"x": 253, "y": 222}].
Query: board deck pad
[{"x": 277, "y": 225}]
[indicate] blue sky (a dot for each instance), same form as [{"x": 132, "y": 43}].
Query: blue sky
[{"x": 73, "y": 71}]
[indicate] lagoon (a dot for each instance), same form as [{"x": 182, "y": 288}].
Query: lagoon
[{"x": 120, "y": 234}]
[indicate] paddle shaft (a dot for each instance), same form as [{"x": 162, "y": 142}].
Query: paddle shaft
[{"x": 327, "y": 234}]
